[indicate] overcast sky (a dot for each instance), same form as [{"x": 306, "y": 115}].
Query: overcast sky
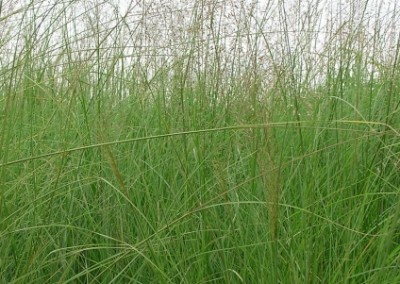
[{"x": 306, "y": 26}]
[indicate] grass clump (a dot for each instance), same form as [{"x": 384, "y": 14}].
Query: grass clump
[{"x": 198, "y": 144}]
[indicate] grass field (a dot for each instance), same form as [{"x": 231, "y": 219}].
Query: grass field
[{"x": 192, "y": 162}]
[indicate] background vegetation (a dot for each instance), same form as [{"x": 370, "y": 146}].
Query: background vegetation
[{"x": 209, "y": 142}]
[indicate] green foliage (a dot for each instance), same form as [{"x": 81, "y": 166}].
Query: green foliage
[{"x": 194, "y": 170}]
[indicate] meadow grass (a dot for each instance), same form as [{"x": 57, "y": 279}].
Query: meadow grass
[{"x": 193, "y": 164}]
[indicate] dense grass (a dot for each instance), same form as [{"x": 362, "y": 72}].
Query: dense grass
[{"x": 204, "y": 166}]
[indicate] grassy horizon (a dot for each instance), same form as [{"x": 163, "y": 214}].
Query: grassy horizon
[{"x": 161, "y": 144}]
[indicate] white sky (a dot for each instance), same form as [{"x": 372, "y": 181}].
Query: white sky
[{"x": 312, "y": 27}]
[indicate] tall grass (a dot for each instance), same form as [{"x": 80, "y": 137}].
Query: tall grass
[{"x": 211, "y": 142}]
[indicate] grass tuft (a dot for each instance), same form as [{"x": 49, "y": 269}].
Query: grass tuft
[{"x": 204, "y": 142}]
